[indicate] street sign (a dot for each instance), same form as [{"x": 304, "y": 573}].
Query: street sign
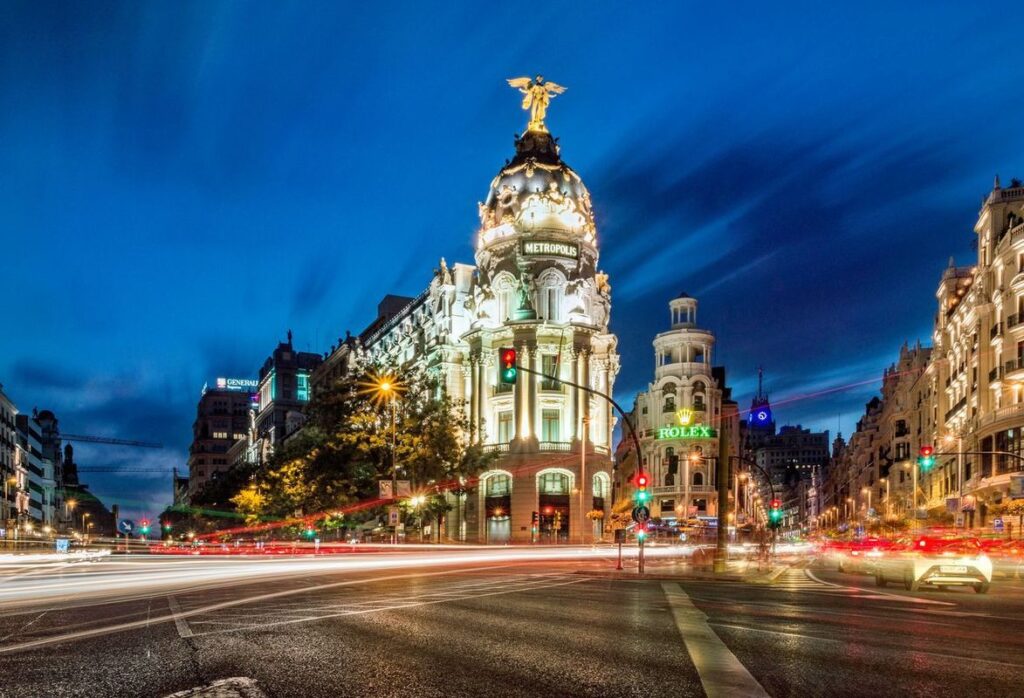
[
  {"x": 394, "y": 514},
  {"x": 997, "y": 523},
  {"x": 620, "y": 535},
  {"x": 641, "y": 514},
  {"x": 386, "y": 489},
  {"x": 126, "y": 526},
  {"x": 404, "y": 489},
  {"x": 62, "y": 545}
]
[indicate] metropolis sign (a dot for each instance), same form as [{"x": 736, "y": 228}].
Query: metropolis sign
[{"x": 550, "y": 248}]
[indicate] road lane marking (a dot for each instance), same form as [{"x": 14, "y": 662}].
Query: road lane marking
[
  {"x": 721, "y": 674},
  {"x": 395, "y": 607},
  {"x": 134, "y": 625},
  {"x": 848, "y": 641},
  {"x": 879, "y": 594},
  {"x": 179, "y": 621},
  {"x": 22, "y": 628}
]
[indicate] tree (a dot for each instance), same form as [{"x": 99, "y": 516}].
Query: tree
[{"x": 345, "y": 447}]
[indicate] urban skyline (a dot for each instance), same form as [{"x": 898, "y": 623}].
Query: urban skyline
[
  {"x": 510, "y": 350},
  {"x": 887, "y": 166}
]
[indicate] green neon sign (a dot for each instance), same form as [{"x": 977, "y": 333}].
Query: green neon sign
[{"x": 697, "y": 431}]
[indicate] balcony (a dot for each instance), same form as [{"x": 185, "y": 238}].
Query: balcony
[
  {"x": 681, "y": 490},
  {"x": 1014, "y": 321},
  {"x": 995, "y": 375},
  {"x": 559, "y": 446},
  {"x": 1014, "y": 369},
  {"x": 962, "y": 403}
]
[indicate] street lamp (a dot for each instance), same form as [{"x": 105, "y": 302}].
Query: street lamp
[
  {"x": 867, "y": 510},
  {"x": 385, "y": 388},
  {"x": 84, "y": 517}
]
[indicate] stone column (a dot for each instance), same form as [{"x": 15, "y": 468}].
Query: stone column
[
  {"x": 568, "y": 372},
  {"x": 522, "y": 386},
  {"x": 532, "y": 406},
  {"x": 484, "y": 399},
  {"x": 472, "y": 393}
]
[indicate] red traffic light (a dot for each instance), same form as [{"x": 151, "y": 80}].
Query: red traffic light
[
  {"x": 927, "y": 451},
  {"x": 776, "y": 504},
  {"x": 641, "y": 480},
  {"x": 508, "y": 358}
]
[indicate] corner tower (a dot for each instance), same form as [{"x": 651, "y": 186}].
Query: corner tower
[{"x": 538, "y": 289}]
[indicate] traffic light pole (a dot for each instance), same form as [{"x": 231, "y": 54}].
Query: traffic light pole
[{"x": 625, "y": 420}]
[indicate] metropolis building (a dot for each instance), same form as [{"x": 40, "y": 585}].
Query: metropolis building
[{"x": 535, "y": 286}]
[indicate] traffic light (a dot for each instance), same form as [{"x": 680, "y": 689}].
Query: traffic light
[
  {"x": 926, "y": 458},
  {"x": 535, "y": 522},
  {"x": 144, "y": 528},
  {"x": 641, "y": 532},
  {"x": 641, "y": 495},
  {"x": 507, "y": 370},
  {"x": 775, "y": 514}
]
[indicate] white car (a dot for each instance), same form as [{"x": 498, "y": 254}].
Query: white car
[{"x": 937, "y": 563}]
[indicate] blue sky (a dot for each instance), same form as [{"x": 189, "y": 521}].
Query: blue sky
[{"x": 180, "y": 183}]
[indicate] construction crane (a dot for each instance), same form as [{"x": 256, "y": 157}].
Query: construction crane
[{"x": 107, "y": 440}]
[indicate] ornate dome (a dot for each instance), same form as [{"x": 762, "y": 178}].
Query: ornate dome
[{"x": 536, "y": 191}]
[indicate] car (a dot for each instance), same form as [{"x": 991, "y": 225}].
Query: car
[
  {"x": 860, "y": 556},
  {"x": 936, "y": 562}
]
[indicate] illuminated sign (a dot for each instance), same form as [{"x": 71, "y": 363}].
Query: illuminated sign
[
  {"x": 241, "y": 384},
  {"x": 685, "y": 417},
  {"x": 697, "y": 431},
  {"x": 548, "y": 248}
]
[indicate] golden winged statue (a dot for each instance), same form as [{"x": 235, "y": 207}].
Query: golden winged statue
[{"x": 537, "y": 95}]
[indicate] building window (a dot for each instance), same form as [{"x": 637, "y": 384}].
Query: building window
[
  {"x": 549, "y": 367},
  {"x": 600, "y": 486},
  {"x": 504, "y": 305},
  {"x": 554, "y": 483},
  {"x": 551, "y": 304},
  {"x": 550, "y": 420},
  {"x": 505, "y": 427},
  {"x": 303, "y": 390},
  {"x": 698, "y": 479},
  {"x": 499, "y": 485},
  {"x": 220, "y": 435}
]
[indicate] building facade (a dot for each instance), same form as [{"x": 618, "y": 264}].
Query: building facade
[
  {"x": 42, "y": 484},
  {"x": 535, "y": 287},
  {"x": 964, "y": 396},
  {"x": 14, "y": 468},
  {"x": 284, "y": 390},
  {"x": 680, "y": 419},
  {"x": 222, "y": 419}
]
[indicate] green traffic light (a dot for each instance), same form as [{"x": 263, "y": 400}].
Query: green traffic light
[
  {"x": 641, "y": 496},
  {"x": 509, "y": 375}
]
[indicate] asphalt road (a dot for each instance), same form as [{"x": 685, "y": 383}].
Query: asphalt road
[{"x": 507, "y": 628}]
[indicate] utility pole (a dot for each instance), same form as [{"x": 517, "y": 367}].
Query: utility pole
[{"x": 722, "y": 544}]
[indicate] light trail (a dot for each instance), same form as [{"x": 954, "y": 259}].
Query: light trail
[{"x": 129, "y": 577}]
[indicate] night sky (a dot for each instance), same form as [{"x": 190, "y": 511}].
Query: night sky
[{"x": 181, "y": 183}]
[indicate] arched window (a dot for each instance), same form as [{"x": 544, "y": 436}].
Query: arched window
[
  {"x": 550, "y": 290},
  {"x": 698, "y": 479},
  {"x": 698, "y": 402},
  {"x": 601, "y": 485},
  {"x": 670, "y": 398},
  {"x": 554, "y": 483},
  {"x": 499, "y": 485},
  {"x": 670, "y": 479}
]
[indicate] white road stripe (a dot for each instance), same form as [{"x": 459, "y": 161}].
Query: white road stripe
[
  {"x": 179, "y": 621},
  {"x": 881, "y": 594},
  {"x": 721, "y": 673}
]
